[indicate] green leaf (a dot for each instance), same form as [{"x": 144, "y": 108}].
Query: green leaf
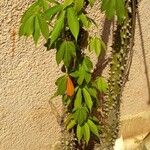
[
  {"x": 92, "y": 92},
  {"x": 93, "y": 127},
  {"x": 71, "y": 124},
  {"x": 78, "y": 4},
  {"x": 60, "y": 53},
  {"x": 79, "y": 133},
  {"x": 85, "y": 20},
  {"x": 78, "y": 99},
  {"x": 67, "y": 3},
  {"x": 30, "y": 12},
  {"x": 68, "y": 119},
  {"x": 87, "y": 99},
  {"x": 95, "y": 45},
  {"x": 52, "y": 11},
  {"x": 53, "y": 1},
  {"x": 73, "y": 22},
  {"x": 94, "y": 119},
  {"x": 70, "y": 52},
  {"x": 75, "y": 74},
  {"x": 80, "y": 115},
  {"x": 66, "y": 52},
  {"x": 82, "y": 73},
  {"x": 87, "y": 64},
  {"x": 91, "y": 2},
  {"x": 66, "y": 100},
  {"x": 109, "y": 7},
  {"x": 104, "y": 4},
  {"x": 43, "y": 26},
  {"x": 27, "y": 28},
  {"x": 86, "y": 132},
  {"x": 59, "y": 25},
  {"x": 101, "y": 84},
  {"x": 43, "y": 4},
  {"x": 88, "y": 77},
  {"x": 120, "y": 10},
  {"x": 62, "y": 84},
  {"x": 36, "y": 34}
]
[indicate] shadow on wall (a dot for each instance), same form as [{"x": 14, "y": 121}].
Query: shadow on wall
[
  {"x": 103, "y": 60},
  {"x": 144, "y": 56}
]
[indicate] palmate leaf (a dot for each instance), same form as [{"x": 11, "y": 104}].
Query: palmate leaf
[
  {"x": 73, "y": 22},
  {"x": 59, "y": 25},
  {"x": 66, "y": 52},
  {"x": 80, "y": 115},
  {"x": 83, "y": 73}
]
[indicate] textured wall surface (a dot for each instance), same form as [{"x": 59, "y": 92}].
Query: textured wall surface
[
  {"x": 136, "y": 95},
  {"x": 28, "y": 74}
]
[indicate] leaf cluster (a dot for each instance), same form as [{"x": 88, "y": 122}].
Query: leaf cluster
[{"x": 64, "y": 25}]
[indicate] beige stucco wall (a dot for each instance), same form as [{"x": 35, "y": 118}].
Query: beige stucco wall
[{"x": 28, "y": 74}]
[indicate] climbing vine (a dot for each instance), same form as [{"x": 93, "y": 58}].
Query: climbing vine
[{"x": 65, "y": 27}]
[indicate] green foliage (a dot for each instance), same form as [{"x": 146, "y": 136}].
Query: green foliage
[
  {"x": 88, "y": 99},
  {"x": 51, "y": 12},
  {"x": 73, "y": 22},
  {"x": 66, "y": 52},
  {"x": 78, "y": 99},
  {"x": 80, "y": 115},
  {"x": 93, "y": 127},
  {"x": 86, "y": 132},
  {"x": 61, "y": 84},
  {"x": 57, "y": 28},
  {"x": 78, "y": 5},
  {"x": 114, "y": 7},
  {"x": 80, "y": 132},
  {"x": 101, "y": 85},
  {"x": 84, "y": 71},
  {"x": 96, "y": 45},
  {"x": 63, "y": 25}
]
